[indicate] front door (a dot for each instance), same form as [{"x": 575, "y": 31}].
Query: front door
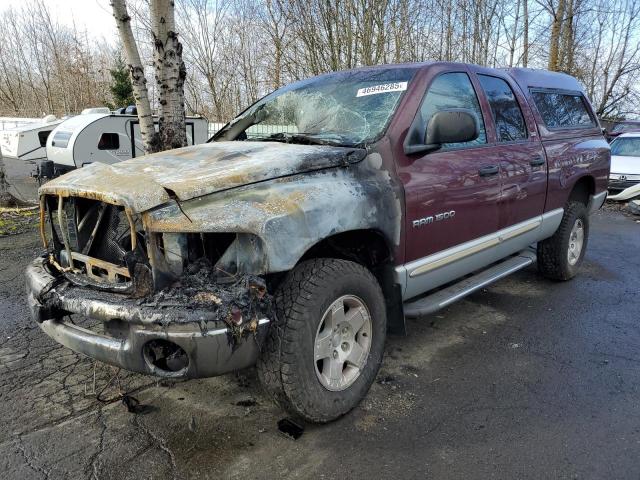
[{"x": 452, "y": 194}]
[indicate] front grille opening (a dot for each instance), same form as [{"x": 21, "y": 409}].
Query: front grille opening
[{"x": 93, "y": 237}]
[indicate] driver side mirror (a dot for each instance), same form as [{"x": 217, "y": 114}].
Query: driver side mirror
[{"x": 454, "y": 125}]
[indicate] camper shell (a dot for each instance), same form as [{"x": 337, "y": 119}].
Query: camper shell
[
  {"x": 106, "y": 138},
  {"x": 28, "y": 141}
]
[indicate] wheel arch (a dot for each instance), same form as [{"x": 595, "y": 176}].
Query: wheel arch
[
  {"x": 371, "y": 249},
  {"x": 368, "y": 247},
  {"x": 583, "y": 189}
]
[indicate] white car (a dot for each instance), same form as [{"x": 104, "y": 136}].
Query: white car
[{"x": 625, "y": 161}]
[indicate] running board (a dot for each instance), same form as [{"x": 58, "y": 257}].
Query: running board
[{"x": 441, "y": 298}]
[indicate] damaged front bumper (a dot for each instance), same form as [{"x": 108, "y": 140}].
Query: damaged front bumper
[{"x": 180, "y": 341}]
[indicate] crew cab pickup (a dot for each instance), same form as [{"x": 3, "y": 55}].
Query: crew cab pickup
[{"x": 316, "y": 221}]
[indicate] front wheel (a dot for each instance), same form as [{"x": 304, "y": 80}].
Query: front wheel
[
  {"x": 325, "y": 347},
  {"x": 560, "y": 256}
]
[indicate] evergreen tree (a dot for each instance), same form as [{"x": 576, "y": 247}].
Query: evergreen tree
[{"x": 121, "y": 87}]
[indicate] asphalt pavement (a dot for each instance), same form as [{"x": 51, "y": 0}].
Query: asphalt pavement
[{"x": 526, "y": 379}]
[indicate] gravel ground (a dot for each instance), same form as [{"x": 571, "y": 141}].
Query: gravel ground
[{"x": 527, "y": 379}]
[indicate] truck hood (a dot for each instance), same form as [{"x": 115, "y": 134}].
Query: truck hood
[{"x": 185, "y": 173}]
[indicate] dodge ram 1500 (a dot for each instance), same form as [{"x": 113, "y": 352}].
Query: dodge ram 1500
[{"x": 375, "y": 194}]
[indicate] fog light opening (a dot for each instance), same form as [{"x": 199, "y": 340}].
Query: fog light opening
[{"x": 166, "y": 356}]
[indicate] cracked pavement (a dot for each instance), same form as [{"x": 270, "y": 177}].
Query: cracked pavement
[{"x": 527, "y": 379}]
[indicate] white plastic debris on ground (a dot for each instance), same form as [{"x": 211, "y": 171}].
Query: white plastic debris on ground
[{"x": 626, "y": 194}]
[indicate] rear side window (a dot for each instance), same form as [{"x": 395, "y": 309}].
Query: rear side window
[
  {"x": 562, "y": 110},
  {"x": 452, "y": 90},
  {"x": 61, "y": 139},
  {"x": 109, "y": 141},
  {"x": 506, "y": 112}
]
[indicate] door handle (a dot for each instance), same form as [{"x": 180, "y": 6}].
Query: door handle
[
  {"x": 488, "y": 170},
  {"x": 537, "y": 161}
]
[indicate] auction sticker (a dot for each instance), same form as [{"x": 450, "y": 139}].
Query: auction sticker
[{"x": 384, "y": 88}]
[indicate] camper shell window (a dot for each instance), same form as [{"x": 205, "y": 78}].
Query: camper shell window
[
  {"x": 42, "y": 137},
  {"x": 109, "y": 141},
  {"x": 61, "y": 139},
  {"x": 562, "y": 109}
]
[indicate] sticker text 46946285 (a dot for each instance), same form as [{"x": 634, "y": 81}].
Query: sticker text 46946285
[{"x": 384, "y": 88}]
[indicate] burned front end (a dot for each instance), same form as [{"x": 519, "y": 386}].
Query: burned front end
[{"x": 165, "y": 305}]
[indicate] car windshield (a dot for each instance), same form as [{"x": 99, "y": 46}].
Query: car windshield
[
  {"x": 625, "y": 127},
  {"x": 626, "y": 147},
  {"x": 343, "y": 108}
]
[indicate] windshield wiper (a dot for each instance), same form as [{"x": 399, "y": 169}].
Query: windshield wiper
[{"x": 309, "y": 138}]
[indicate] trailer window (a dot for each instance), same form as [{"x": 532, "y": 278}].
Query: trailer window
[
  {"x": 42, "y": 137},
  {"x": 562, "y": 110},
  {"x": 109, "y": 141},
  {"x": 61, "y": 139}
]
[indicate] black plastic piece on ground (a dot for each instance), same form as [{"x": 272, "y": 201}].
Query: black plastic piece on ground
[
  {"x": 290, "y": 428},
  {"x": 134, "y": 406}
]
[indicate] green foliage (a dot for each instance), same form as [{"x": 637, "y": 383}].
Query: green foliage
[{"x": 121, "y": 87}]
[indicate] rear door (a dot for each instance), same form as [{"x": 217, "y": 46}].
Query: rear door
[{"x": 523, "y": 167}]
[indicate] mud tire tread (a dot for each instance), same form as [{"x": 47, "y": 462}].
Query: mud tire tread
[
  {"x": 294, "y": 300},
  {"x": 552, "y": 252}
]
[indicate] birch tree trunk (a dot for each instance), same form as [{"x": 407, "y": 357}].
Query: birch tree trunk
[
  {"x": 150, "y": 138},
  {"x": 170, "y": 75}
]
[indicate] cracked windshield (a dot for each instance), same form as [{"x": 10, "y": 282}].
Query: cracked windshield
[{"x": 349, "y": 108}]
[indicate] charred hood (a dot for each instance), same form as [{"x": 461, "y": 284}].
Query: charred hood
[{"x": 146, "y": 182}]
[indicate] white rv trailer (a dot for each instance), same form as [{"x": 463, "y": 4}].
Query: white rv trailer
[
  {"x": 28, "y": 141},
  {"x": 106, "y": 138}
]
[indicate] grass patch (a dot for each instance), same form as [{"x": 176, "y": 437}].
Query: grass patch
[{"x": 18, "y": 220}]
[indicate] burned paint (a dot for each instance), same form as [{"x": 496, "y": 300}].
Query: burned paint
[
  {"x": 142, "y": 183},
  {"x": 307, "y": 208}
]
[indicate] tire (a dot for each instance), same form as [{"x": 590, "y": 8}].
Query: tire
[
  {"x": 558, "y": 256},
  {"x": 322, "y": 391}
]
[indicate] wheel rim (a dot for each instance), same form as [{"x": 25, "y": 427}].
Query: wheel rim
[
  {"x": 342, "y": 343},
  {"x": 576, "y": 241}
]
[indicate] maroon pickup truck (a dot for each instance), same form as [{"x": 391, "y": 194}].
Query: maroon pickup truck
[{"x": 316, "y": 221}]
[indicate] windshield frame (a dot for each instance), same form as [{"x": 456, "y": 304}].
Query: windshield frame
[{"x": 220, "y": 135}]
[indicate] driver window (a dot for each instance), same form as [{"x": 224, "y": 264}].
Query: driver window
[{"x": 452, "y": 90}]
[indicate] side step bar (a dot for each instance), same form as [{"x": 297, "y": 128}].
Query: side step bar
[{"x": 441, "y": 298}]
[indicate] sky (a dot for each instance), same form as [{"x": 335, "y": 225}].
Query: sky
[{"x": 94, "y": 15}]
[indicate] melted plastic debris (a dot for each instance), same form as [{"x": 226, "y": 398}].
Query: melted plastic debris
[{"x": 238, "y": 300}]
